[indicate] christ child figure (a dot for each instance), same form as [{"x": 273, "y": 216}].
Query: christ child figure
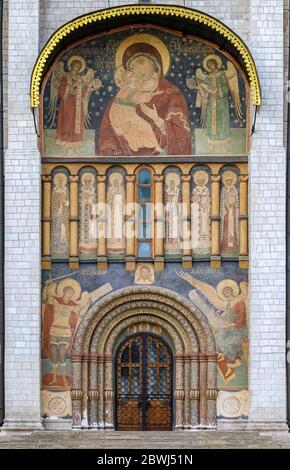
[{"x": 124, "y": 117}]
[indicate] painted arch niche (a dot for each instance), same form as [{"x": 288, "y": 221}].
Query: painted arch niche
[{"x": 144, "y": 91}]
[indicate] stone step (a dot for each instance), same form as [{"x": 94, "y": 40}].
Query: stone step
[{"x": 145, "y": 440}]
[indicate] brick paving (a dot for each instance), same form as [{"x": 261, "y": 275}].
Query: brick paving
[{"x": 145, "y": 440}]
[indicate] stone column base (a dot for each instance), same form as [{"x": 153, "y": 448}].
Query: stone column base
[
  {"x": 57, "y": 424},
  {"x": 232, "y": 424},
  {"x": 21, "y": 426}
]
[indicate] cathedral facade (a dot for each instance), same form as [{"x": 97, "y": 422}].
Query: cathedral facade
[{"x": 145, "y": 228}]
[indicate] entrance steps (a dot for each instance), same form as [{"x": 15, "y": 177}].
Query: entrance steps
[{"x": 86, "y": 439}]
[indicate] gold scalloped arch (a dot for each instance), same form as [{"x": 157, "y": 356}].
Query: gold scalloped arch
[{"x": 173, "y": 11}]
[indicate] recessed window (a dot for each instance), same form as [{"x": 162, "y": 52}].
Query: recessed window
[{"x": 144, "y": 215}]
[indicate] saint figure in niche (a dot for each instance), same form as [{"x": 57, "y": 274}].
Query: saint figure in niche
[
  {"x": 148, "y": 115},
  {"x": 201, "y": 213},
  {"x": 172, "y": 213},
  {"x": 116, "y": 202},
  {"x": 88, "y": 214},
  {"x": 229, "y": 214},
  {"x": 60, "y": 213}
]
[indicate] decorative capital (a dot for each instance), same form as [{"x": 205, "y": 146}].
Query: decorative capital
[
  {"x": 93, "y": 394},
  {"x": 211, "y": 394},
  {"x": 159, "y": 178},
  {"x": 46, "y": 178},
  {"x": 179, "y": 394},
  {"x": 76, "y": 394},
  {"x": 130, "y": 178},
  {"x": 186, "y": 178},
  {"x": 215, "y": 178},
  {"x": 194, "y": 394},
  {"x": 243, "y": 178},
  {"x": 109, "y": 395},
  {"x": 74, "y": 179},
  {"x": 101, "y": 178}
]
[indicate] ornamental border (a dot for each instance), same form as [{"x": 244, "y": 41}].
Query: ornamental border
[{"x": 173, "y": 11}]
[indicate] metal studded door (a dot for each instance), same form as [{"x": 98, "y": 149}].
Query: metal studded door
[{"x": 143, "y": 384}]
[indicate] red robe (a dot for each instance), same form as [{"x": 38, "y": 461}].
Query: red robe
[
  {"x": 70, "y": 120},
  {"x": 176, "y": 140},
  {"x": 48, "y": 318}
]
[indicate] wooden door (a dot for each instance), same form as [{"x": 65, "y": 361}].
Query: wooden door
[{"x": 144, "y": 384}]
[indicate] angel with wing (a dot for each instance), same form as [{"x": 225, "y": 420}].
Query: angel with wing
[
  {"x": 226, "y": 309},
  {"x": 64, "y": 305},
  {"x": 213, "y": 90},
  {"x": 69, "y": 101}
]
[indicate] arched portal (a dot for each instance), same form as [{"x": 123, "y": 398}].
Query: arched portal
[{"x": 145, "y": 311}]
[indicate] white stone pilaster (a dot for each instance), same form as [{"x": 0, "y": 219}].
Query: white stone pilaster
[
  {"x": 267, "y": 187},
  {"x": 22, "y": 226}
]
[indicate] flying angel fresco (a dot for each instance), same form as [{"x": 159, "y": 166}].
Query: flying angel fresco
[
  {"x": 70, "y": 93},
  {"x": 213, "y": 91}
]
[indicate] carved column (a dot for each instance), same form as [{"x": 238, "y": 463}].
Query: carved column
[
  {"x": 85, "y": 385},
  {"x": 102, "y": 253},
  {"x": 109, "y": 393},
  {"x": 100, "y": 379},
  {"x": 179, "y": 393},
  {"x": 74, "y": 223},
  {"x": 130, "y": 222},
  {"x": 93, "y": 392},
  {"x": 244, "y": 252},
  {"x": 194, "y": 391},
  {"x": 159, "y": 224},
  {"x": 186, "y": 232},
  {"x": 46, "y": 222},
  {"x": 187, "y": 384},
  {"x": 215, "y": 222},
  {"x": 211, "y": 392},
  {"x": 76, "y": 392},
  {"x": 203, "y": 388}
]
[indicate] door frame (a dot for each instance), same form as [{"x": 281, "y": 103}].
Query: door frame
[{"x": 115, "y": 372}]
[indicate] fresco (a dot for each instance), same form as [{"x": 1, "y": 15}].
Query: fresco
[
  {"x": 144, "y": 92},
  {"x": 222, "y": 295},
  {"x": 229, "y": 209},
  {"x": 201, "y": 212},
  {"x": 116, "y": 198},
  {"x": 88, "y": 226},
  {"x": 173, "y": 222},
  {"x": 64, "y": 304},
  {"x": 60, "y": 213}
]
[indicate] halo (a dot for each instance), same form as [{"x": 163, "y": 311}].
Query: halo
[
  {"x": 79, "y": 59},
  {"x": 69, "y": 283},
  {"x": 149, "y": 39},
  {"x": 58, "y": 177},
  {"x": 85, "y": 175},
  {"x": 229, "y": 174},
  {"x": 214, "y": 57},
  {"x": 114, "y": 176},
  {"x": 227, "y": 283},
  {"x": 199, "y": 173},
  {"x": 172, "y": 176}
]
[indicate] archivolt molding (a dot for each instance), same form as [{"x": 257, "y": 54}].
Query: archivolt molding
[
  {"x": 144, "y": 297},
  {"x": 138, "y": 10},
  {"x": 103, "y": 342}
]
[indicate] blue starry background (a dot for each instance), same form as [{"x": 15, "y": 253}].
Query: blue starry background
[{"x": 186, "y": 57}]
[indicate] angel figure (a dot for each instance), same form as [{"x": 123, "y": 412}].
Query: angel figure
[
  {"x": 226, "y": 310},
  {"x": 64, "y": 305},
  {"x": 213, "y": 89},
  {"x": 69, "y": 101}
]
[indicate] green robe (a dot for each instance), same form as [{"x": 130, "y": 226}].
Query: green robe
[{"x": 217, "y": 113}]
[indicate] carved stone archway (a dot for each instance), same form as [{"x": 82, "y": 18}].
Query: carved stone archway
[{"x": 149, "y": 309}]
